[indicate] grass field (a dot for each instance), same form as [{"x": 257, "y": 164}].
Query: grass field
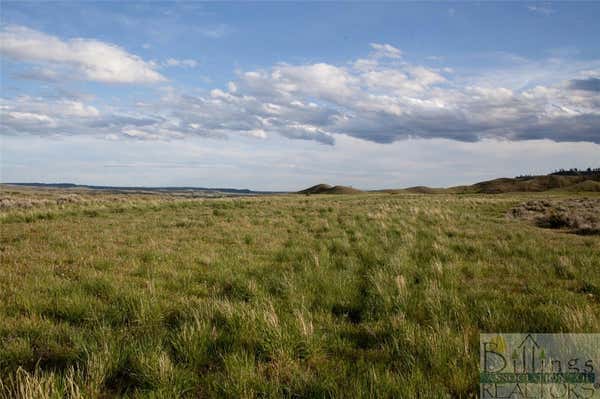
[{"x": 371, "y": 295}]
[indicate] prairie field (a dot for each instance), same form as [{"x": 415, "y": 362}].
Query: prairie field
[{"x": 327, "y": 296}]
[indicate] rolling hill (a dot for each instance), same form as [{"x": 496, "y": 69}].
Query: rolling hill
[
  {"x": 587, "y": 182},
  {"x": 327, "y": 189},
  {"x": 532, "y": 184}
]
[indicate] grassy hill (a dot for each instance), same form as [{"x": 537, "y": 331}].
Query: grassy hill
[
  {"x": 587, "y": 185},
  {"x": 575, "y": 183},
  {"x": 532, "y": 184},
  {"x": 584, "y": 182},
  {"x": 414, "y": 190},
  {"x": 327, "y": 189}
]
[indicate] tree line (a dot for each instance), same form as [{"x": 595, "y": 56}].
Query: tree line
[{"x": 568, "y": 172}]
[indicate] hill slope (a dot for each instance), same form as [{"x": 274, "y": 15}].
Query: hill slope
[
  {"x": 583, "y": 182},
  {"x": 327, "y": 189},
  {"x": 532, "y": 184}
]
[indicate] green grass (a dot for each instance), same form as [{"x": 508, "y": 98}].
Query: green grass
[{"x": 372, "y": 295}]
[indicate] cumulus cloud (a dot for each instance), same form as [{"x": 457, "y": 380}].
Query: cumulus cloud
[
  {"x": 87, "y": 59},
  {"x": 41, "y": 116},
  {"x": 376, "y": 99},
  {"x": 385, "y": 102}
]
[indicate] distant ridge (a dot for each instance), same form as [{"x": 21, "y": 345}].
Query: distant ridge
[
  {"x": 141, "y": 188},
  {"x": 568, "y": 180},
  {"x": 415, "y": 190},
  {"x": 327, "y": 189},
  {"x": 571, "y": 180}
]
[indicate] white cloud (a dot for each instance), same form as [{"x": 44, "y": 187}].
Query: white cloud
[
  {"x": 365, "y": 64},
  {"x": 76, "y": 108},
  {"x": 89, "y": 59},
  {"x": 321, "y": 80},
  {"x": 385, "y": 51},
  {"x": 413, "y": 79},
  {"x": 258, "y": 133},
  {"x": 186, "y": 63},
  {"x": 30, "y": 117}
]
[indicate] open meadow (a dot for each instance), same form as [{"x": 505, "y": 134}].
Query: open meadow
[{"x": 366, "y": 295}]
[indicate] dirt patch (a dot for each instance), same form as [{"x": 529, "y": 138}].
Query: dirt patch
[{"x": 580, "y": 216}]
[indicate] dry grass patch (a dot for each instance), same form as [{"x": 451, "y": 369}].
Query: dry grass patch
[{"x": 580, "y": 216}]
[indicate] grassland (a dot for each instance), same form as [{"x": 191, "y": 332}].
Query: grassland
[{"x": 371, "y": 295}]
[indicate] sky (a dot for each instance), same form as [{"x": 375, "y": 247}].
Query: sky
[{"x": 281, "y": 96}]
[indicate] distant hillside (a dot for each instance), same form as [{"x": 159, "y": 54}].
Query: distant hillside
[
  {"x": 587, "y": 185},
  {"x": 316, "y": 189},
  {"x": 533, "y": 184},
  {"x": 567, "y": 181},
  {"x": 414, "y": 190},
  {"x": 571, "y": 180},
  {"x": 327, "y": 189}
]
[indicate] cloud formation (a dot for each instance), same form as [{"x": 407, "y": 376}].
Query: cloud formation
[
  {"x": 87, "y": 59},
  {"x": 381, "y": 98},
  {"x": 385, "y": 51}
]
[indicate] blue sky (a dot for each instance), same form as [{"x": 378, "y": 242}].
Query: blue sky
[{"x": 284, "y": 95}]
